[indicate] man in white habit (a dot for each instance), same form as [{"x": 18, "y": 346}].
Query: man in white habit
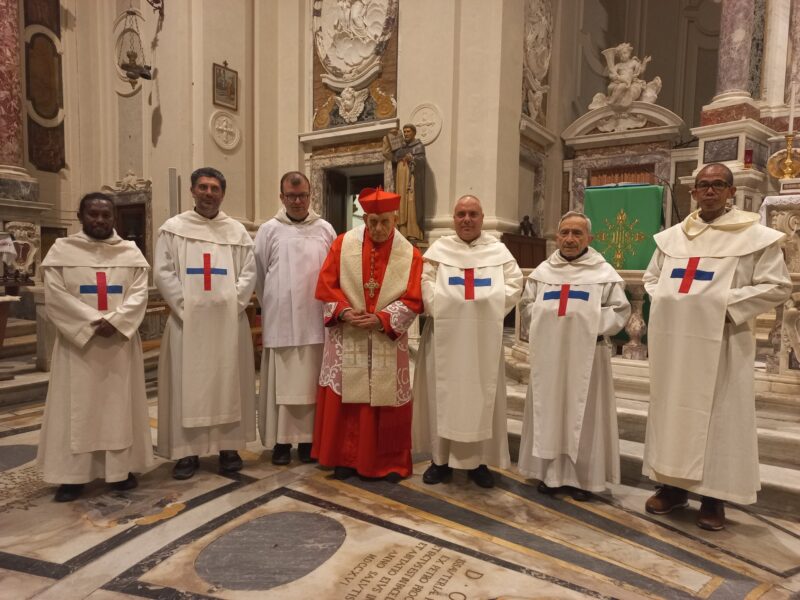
[
  {"x": 290, "y": 249},
  {"x": 575, "y": 300},
  {"x": 470, "y": 282},
  {"x": 95, "y": 418},
  {"x": 709, "y": 278},
  {"x": 206, "y": 271}
]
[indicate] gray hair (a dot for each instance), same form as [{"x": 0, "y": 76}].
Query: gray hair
[{"x": 574, "y": 213}]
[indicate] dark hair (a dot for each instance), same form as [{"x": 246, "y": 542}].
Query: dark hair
[
  {"x": 728, "y": 173},
  {"x": 411, "y": 126},
  {"x": 209, "y": 172},
  {"x": 94, "y": 196},
  {"x": 294, "y": 177}
]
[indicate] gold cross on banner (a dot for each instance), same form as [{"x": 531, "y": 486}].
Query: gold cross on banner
[{"x": 372, "y": 285}]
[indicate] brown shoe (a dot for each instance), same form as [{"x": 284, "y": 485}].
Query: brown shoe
[
  {"x": 666, "y": 499},
  {"x": 712, "y": 514}
]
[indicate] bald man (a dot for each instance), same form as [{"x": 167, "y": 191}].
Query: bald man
[{"x": 470, "y": 282}]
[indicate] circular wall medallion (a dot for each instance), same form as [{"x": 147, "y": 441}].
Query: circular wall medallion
[
  {"x": 224, "y": 130},
  {"x": 428, "y": 121},
  {"x": 270, "y": 551}
]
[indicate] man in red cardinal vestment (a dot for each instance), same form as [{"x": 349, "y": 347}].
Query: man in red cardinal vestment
[{"x": 370, "y": 283}]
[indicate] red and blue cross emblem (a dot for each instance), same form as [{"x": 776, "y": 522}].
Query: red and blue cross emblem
[
  {"x": 563, "y": 296},
  {"x": 206, "y": 271},
  {"x": 102, "y": 289},
  {"x": 470, "y": 283},
  {"x": 690, "y": 274}
]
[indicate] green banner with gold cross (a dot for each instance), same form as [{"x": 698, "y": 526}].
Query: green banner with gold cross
[{"x": 624, "y": 220}]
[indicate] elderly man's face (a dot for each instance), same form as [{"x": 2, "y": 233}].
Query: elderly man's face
[
  {"x": 572, "y": 237},
  {"x": 712, "y": 191},
  {"x": 97, "y": 218},
  {"x": 468, "y": 218},
  {"x": 380, "y": 226},
  {"x": 296, "y": 199},
  {"x": 208, "y": 196},
  {"x": 408, "y": 134}
]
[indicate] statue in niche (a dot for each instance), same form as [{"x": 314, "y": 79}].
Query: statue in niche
[
  {"x": 407, "y": 155},
  {"x": 625, "y": 85}
]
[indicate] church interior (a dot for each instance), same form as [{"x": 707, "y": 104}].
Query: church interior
[{"x": 536, "y": 107}]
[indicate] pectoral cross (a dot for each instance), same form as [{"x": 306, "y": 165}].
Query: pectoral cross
[{"x": 373, "y": 283}]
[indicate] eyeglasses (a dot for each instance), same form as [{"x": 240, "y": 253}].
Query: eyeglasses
[
  {"x": 718, "y": 185},
  {"x": 293, "y": 197}
]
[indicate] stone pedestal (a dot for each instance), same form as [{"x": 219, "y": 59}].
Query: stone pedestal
[
  {"x": 727, "y": 143},
  {"x": 634, "y": 349}
]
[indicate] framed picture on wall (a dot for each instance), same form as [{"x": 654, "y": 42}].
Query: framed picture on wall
[{"x": 226, "y": 86}]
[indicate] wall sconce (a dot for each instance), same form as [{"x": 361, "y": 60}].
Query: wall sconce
[{"x": 131, "y": 57}]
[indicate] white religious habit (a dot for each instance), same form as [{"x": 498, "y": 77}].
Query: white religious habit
[
  {"x": 708, "y": 282},
  {"x": 569, "y": 427},
  {"x": 289, "y": 255},
  {"x": 459, "y": 384},
  {"x": 95, "y": 419},
  {"x": 206, "y": 272}
]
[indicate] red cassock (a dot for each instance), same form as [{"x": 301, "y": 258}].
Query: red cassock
[{"x": 375, "y": 441}]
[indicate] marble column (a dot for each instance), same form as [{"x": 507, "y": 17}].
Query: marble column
[
  {"x": 794, "y": 40},
  {"x": 735, "y": 37},
  {"x": 15, "y": 182}
]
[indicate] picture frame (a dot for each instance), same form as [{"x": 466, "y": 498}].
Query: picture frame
[{"x": 225, "y": 86}]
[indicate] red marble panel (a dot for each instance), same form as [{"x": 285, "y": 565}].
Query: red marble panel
[
  {"x": 727, "y": 114},
  {"x": 10, "y": 89}
]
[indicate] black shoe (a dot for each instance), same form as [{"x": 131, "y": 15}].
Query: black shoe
[
  {"x": 304, "y": 453},
  {"x": 436, "y": 473},
  {"x": 281, "y": 454},
  {"x": 578, "y": 494},
  {"x": 482, "y": 476},
  {"x": 127, "y": 484},
  {"x": 185, "y": 467},
  {"x": 393, "y": 477},
  {"x": 342, "y": 473},
  {"x": 67, "y": 492},
  {"x": 543, "y": 488},
  {"x": 230, "y": 461}
]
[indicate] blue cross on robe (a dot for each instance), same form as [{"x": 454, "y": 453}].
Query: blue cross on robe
[
  {"x": 563, "y": 295},
  {"x": 469, "y": 282}
]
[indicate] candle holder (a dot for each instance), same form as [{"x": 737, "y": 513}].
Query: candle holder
[{"x": 784, "y": 165}]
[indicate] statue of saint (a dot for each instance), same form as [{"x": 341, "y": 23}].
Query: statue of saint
[{"x": 407, "y": 155}]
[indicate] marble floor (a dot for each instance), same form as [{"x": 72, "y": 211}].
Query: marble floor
[{"x": 295, "y": 533}]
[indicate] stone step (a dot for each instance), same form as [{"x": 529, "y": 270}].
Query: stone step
[
  {"x": 18, "y": 327},
  {"x": 780, "y": 486},
  {"x": 29, "y": 387},
  {"x": 18, "y": 346},
  {"x": 778, "y": 441}
]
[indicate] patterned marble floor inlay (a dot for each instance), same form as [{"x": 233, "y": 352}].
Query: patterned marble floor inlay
[{"x": 297, "y": 533}]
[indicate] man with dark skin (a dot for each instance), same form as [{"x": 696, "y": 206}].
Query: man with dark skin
[
  {"x": 710, "y": 276},
  {"x": 96, "y": 295}
]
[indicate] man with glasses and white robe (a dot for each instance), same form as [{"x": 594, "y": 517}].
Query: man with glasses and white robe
[{"x": 709, "y": 278}]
